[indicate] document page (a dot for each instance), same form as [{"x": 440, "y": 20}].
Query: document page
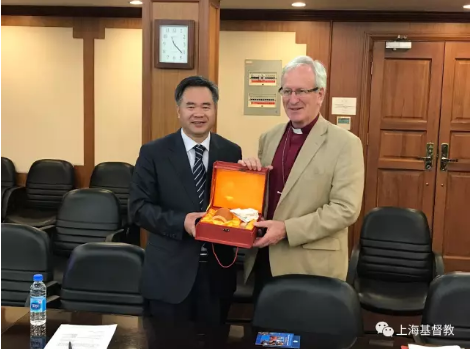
[
  {"x": 415, "y": 346},
  {"x": 82, "y": 337}
]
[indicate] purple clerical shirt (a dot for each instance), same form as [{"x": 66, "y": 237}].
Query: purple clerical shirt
[{"x": 289, "y": 146}]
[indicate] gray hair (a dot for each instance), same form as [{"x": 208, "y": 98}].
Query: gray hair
[{"x": 317, "y": 68}]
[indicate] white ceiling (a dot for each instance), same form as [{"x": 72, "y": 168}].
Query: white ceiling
[{"x": 379, "y": 5}]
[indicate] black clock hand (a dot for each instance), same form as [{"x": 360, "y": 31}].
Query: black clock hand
[{"x": 175, "y": 45}]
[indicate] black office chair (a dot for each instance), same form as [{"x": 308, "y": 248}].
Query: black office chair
[
  {"x": 37, "y": 203},
  {"x": 310, "y": 304},
  {"x": 117, "y": 177},
  {"x": 105, "y": 278},
  {"x": 393, "y": 264},
  {"x": 8, "y": 183},
  {"x": 86, "y": 215},
  {"x": 447, "y": 311},
  {"x": 25, "y": 252}
]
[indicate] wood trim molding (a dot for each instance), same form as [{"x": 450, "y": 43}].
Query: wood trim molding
[
  {"x": 342, "y": 16},
  {"x": 72, "y": 11},
  {"x": 203, "y": 33},
  {"x": 147, "y": 67},
  {"x": 244, "y": 14}
]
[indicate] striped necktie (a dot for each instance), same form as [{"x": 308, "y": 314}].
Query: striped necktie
[{"x": 199, "y": 174}]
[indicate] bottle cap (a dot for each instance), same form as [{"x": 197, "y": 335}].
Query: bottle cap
[{"x": 37, "y": 278}]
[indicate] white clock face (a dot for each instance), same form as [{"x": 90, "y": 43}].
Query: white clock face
[{"x": 173, "y": 44}]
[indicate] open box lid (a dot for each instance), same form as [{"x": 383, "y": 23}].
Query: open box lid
[{"x": 234, "y": 186}]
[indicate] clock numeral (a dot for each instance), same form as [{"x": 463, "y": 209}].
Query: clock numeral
[
  {"x": 165, "y": 36},
  {"x": 184, "y": 36},
  {"x": 167, "y": 56},
  {"x": 164, "y": 51},
  {"x": 174, "y": 30},
  {"x": 167, "y": 30},
  {"x": 181, "y": 57}
]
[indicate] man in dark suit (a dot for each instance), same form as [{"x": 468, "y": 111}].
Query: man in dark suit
[{"x": 170, "y": 190}]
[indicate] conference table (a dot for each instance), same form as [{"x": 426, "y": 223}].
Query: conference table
[{"x": 133, "y": 332}]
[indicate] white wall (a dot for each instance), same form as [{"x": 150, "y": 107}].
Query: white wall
[
  {"x": 235, "y": 47},
  {"x": 42, "y": 95},
  {"x": 118, "y": 96}
]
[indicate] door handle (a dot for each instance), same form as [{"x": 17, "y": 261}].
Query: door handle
[
  {"x": 445, "y": 156},
  {"x": 429, "y": 156}
]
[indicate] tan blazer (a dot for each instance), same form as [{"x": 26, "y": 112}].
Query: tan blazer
[{"x": 321, "y": 199}]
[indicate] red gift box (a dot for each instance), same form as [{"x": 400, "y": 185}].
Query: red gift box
[{"x": 233, "y": 186}]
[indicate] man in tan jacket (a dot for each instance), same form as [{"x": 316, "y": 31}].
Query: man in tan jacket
[{"x": 315, "y": 186}]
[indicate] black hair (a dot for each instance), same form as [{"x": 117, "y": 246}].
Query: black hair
[{"x": 196, "y": 81}]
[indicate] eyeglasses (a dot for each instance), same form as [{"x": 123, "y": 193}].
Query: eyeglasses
[{"x": 299, "y": 92}]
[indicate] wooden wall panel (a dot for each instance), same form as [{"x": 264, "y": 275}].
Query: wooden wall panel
[{"x": 164, "y": 81}]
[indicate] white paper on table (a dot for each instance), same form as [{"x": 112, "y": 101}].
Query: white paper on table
[
  {"x": 82, "y": 336},
  {"x": 415, "y": 346},
  {"x": 246, "y": 215}
]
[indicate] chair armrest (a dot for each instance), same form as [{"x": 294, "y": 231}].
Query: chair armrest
[
  {"x": 438, "y": 264},
  {"x": 117, "y": 236},
  {"x": 13, "y": 199},
  {"x": 53, "y": 302},
  {"x": 47, "y": 228},
  {"x": 352, "y": 268},
  {"x": 53, "y": 288}
]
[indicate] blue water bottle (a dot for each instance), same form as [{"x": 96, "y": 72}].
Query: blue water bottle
[{"x": 37, "y": 308}]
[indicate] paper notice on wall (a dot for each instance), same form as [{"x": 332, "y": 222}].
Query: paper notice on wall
[{"x": 343, "y": 106}]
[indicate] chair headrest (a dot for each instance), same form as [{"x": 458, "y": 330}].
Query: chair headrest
[
  {"x": 105, "y": 267},
  {"x": 396, "y": 224},
  {"x": 8, "y": 172},
  {"x": 90, "y": 205},
  {"x": 309, "y": 304},
  {"x": 49, "y": 171},
  {"x": 112, "y": 174},
  {"x": 25, "y": 248}
]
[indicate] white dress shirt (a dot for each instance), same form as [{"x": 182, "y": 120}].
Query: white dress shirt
[
  {"x": 189, "y": 145},
  {"x": 191, "y": 152}
]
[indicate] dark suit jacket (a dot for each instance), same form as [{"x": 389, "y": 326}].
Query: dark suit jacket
[{"x": 162, "y": 193}]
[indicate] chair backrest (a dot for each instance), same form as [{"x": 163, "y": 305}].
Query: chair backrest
[
  {"x": 447, "y": 304},
  {"x": 396, "y": 246},
  {"x": 8, "y": 173},
  {"x": 310, "y": 304},
  {"x": 47, "y": 182},
  {"x": 114, "y": 176},
  {"x": 86, "y": 215},
  {"x": 104, "y": 277},
  {"x": 25, "y": 252}
]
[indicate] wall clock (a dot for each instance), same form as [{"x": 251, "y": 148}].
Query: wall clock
[{"x": 174, "y": 44}]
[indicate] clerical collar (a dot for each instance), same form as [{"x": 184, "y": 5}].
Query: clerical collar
[{"x": 306, "y": 129}]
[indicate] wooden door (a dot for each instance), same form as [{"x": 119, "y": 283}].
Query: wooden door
[
  {"x": 404, "y": 117},
  {"x": 452, "y": 204}
]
